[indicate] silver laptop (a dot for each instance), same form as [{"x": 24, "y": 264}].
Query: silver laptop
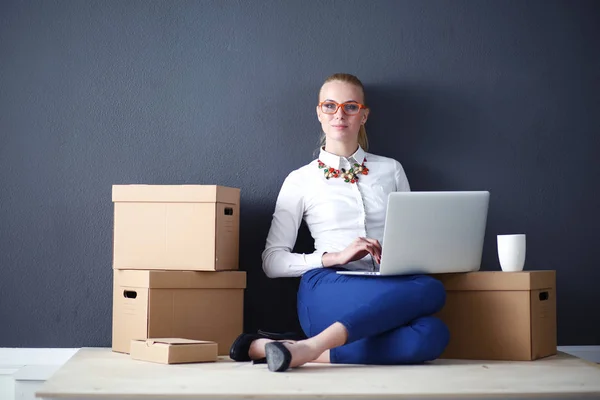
[{"x": 432, "y": 233}]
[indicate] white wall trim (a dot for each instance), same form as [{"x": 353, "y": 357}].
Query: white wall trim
[
  {"x": 35, "y": 372},
  {"x": 32, "y": 356},
  {"x": 589, "y": 353},
  {"x": 9, "y": 369}
]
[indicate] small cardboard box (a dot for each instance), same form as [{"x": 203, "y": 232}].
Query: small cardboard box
[
  {"x": 173, "y": 350},
  {"x": 176, "y": 227},
  {"x": 177, "y": 304},
  {"x": 496, "y": 315}
]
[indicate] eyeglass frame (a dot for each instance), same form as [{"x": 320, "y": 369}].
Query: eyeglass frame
[{"x": 360, "y": 106}]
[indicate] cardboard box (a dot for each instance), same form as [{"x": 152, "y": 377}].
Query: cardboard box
[
  {"x": 173, "y": 350},
  {"x": 176, "y": 227},
  {"x": 177, "y": 304},
  {"x": 500, "y": 315}
]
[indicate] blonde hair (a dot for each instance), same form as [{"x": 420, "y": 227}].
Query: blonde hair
[{"x": 348, "y": 78}]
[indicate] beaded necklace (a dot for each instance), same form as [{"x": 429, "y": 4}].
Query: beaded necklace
[{"x": 350, "y": 176}]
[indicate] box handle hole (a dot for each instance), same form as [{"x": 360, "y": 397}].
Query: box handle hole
[
  {"x": 129, "y": 294},
  {"x": 543, "y": 296},
  {"x": 228, "y": 211}
]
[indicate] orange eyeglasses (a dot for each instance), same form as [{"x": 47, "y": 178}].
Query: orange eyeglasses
[{"x": 349, "y": 108}]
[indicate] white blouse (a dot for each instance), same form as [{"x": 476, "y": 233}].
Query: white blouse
[{"x": 335, "y": 212}]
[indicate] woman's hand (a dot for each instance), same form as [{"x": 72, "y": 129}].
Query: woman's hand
[{"x": 358, "y": 249}]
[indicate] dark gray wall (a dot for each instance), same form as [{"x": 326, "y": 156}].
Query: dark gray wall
[{"x": 494, "y": 95}]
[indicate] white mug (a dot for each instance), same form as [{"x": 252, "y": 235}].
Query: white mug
[{"x": 511, "y": 252}]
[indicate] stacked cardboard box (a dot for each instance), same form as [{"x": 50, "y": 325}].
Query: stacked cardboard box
[
  {"x": 496, "y": 315},
  {"x": 176, "y": 260}
]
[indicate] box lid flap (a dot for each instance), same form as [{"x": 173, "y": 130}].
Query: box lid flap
[
  {"x": 176, "y": 194},
  {"x": 498, "y": 280},
  {"x": 160, "y": 279},
  {"x": 172, "y": 341}
]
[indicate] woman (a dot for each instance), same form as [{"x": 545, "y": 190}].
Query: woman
[{"x": 342, "y": 196}]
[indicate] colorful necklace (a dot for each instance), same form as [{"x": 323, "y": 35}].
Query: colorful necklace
[{"x": 350, "y": 176}]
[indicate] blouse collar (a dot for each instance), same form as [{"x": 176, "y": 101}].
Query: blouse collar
[{"x": 335, "y": 161}]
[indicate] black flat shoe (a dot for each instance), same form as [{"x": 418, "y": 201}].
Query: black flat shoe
[
  {"x": 241, "y": 346},
  {"x": 278, "y": 357}
]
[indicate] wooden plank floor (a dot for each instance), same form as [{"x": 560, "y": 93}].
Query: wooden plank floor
[{"x": 99, "y": 373}]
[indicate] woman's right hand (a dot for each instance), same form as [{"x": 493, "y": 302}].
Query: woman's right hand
[{"x": 358, "y": 249}]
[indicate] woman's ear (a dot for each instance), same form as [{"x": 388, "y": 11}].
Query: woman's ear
[
  {"x": 318, "y": 113},
  {"x": 365, "y": 117}
]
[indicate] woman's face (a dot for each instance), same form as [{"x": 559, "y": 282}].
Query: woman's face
[{"x": 340, "y": 126}]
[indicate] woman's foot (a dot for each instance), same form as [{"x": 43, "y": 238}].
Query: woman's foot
[
  {"x": 281, "y": 355},
  {"x": 302, "y": 352}
]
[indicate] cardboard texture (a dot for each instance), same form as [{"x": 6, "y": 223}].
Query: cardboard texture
[
  {"x": 500, "y": 315},
  {"x": 176, "y": 227},
  {"x": 177, "y": 304},
  {"x": 173, "y": 350}
]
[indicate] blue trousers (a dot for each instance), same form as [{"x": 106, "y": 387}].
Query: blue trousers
[{"x": 389, "y": 319}]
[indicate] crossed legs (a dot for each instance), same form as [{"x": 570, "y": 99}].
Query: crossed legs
[
  {"x": 366, "y": 320},
  {"x": 372, "y": 320}
]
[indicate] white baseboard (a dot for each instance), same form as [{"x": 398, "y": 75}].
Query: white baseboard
[
  {"x": 25, "y": 390},
  {"x": 35, "y": 372},
  {"x": 30, "y": 378},
  {"x": 9, "y": 369},
  {"x": 7, "y": 387},
  {"x": 589, "y": 353},
  {"x": 23, "y": 371},
  {"x": 31, "y": 356}
]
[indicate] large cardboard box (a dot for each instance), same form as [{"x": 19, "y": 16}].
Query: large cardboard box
[
  {"x": 496, "y": 315},
  {"x": 177, "y": 304},
  {"x": 176, "y": 227},
  {"x": 173, "y": 350}
]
